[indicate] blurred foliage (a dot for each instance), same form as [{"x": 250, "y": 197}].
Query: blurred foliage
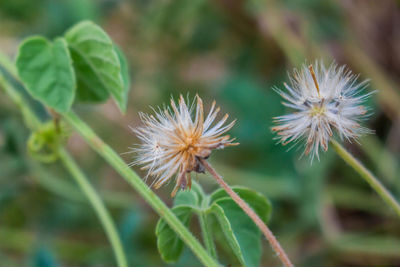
[{"x": 234, "y": 52}]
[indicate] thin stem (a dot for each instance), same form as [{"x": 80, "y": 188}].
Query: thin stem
[
  {"x": 207, "y": 234},
  {"x": 115, "y": 161},
  {"x": 98, "y": 205},
  {"x": 34, "y": 123},
  {"x": 30, "y": 118},
  {"x": 249, "y": 211},
  {"x": 367, "y": 175},
  {"x": 67, "y": 190},
  {"x": 136, "y": 182}
]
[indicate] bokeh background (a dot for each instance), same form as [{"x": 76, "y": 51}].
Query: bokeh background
[{"x": 232, "y": 51}]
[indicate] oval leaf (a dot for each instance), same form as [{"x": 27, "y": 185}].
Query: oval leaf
[
  {"x": 46, "y": 70},
  {"x": 96, "y": 62},
  {"x": 169, "y": 243}
]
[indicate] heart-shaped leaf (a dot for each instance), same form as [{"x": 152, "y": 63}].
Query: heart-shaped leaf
[
  {"x": 46, "y": 70},
  {"x": 96, "y": 63}
]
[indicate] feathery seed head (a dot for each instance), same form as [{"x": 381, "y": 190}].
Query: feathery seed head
[
  {"x": 324, "y": 99},
  {"x": 175, "y": 138}
]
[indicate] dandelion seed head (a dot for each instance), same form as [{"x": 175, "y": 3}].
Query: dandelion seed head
[
  {"x": 324, "y": 100},
  {"x": 176, "y": 137}
]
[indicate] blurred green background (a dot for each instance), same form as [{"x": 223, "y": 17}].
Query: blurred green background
[{"x": 232, "y": 51}]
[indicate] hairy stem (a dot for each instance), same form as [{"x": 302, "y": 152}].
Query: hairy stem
[
  {"x": 98, "y": 205},
  {"x": 367, "y": 176},
  {"x": 207, "y": 235},
  {"x": 249, "y": 211},
  {"x": 136, "y": 182}
]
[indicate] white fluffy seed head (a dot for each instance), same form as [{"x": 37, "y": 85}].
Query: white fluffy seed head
[
  {"x": 176, "y": 137},
  {"x": 324, "y": 100}
]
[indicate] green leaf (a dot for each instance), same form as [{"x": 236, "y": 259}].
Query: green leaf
[
  {"x": 242, "y": 234},
  {"x": 239, "y": 231},
  {"x": 186, "y": 202},
  {"x": 227, "y": 230},
  {"x": 125, "y": 76},
  {"x": 169, "y": 244},
  {"x": 46, "y": 70},
  {"x": 96, "y": 62},
  {"x": 242, "y": 230},
  {"x": 192, "y": 197},
  {"x": 259, "y": 203}
]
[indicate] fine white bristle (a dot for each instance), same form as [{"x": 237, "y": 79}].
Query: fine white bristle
[
  {"x": 174, "y": 138},
  {"x": 324, "y": 100}
]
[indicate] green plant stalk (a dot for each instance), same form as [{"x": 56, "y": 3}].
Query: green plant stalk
[
  {"x": 31, "y": 120},
  {"x": 207, "y": 235},
  {"x": 98, "y": 205},
  {"x": 34, "y": 123},
  {"x": 133, "y": 179},
  {"x": 68, "y": 191},
  {"x": 206, "y": 232},
  {"x": 119, "y": 165},
  {"x": 367, "y": 175}
]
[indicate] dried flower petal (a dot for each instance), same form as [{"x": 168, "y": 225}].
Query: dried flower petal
[
  {"x": 324, "y": 100},
  {"x": 173, "y": 141}
]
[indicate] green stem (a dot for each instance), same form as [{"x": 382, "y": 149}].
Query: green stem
[
  {"x": 207, "y": 233},
  {"x": 64, "y": 189},
  {"x": 97, "y": 204},
  {"x": 30, "y": 118},
  {"x": 34, "y": 123},
  {"x": 115, "y": 161},
  {"x": 367, "y": 175},
  {"x": 207, "y": 237},
  {"x": 133, "y": 179}
]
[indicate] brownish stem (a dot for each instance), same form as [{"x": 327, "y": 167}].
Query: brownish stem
[
  {"x": 56, "y": 119},
  {"x": 249, "y": 211}
]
